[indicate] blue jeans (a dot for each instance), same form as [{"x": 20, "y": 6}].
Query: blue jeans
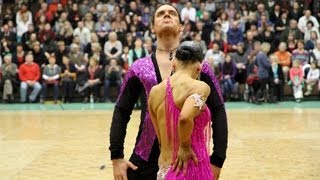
[
  {"x": 227, "y": 86},
  {"x": 55, "y": 90},
  {"x": 24, "y": 88},
  {"x": 107, "y": 84}
]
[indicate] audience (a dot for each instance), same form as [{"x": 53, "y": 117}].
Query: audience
[{"x": 114, "y": 34}]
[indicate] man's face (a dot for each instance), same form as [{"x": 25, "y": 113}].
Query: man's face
[
  {"x": 166, "y": 16},
  {"x": 293, "y": 24},
  {"x": 29, "y": 58},
  {"x": 308, "y": 13}
]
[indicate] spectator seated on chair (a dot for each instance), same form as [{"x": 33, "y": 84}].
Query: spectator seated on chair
[
  {"x": 50, "y": 76},
  {"x": 29, "y": 74},
  {"x": 9, "y": 77}
]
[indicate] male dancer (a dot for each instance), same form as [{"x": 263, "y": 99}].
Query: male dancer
[{"x": 143, "y": 75}]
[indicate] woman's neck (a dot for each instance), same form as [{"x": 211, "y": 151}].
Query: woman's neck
[{"x": 187, "y": 72}]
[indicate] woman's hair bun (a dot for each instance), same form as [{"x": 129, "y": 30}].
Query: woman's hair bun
[{"x": 189, "y": 51}]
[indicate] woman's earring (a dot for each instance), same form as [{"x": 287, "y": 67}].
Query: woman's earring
[{"x": 199, "y": 76}]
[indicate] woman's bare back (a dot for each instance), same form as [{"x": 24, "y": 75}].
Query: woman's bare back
[{"x": 182, "y": 88}]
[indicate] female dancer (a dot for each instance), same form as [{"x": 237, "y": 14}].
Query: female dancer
[{"x": 180, "y": 117}]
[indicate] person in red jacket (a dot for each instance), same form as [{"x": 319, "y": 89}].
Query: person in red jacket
[{"x": 29, "y": 74}]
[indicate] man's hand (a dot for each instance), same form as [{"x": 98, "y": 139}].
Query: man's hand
[
  {"x": 120, "y": 167},
  {"x": 215, "y": 171}
]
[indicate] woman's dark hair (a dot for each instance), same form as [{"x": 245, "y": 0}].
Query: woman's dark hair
[{"x": 189, "y": 51}]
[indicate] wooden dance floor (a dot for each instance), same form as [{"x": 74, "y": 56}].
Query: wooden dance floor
[{"x": 67, "y": 142}]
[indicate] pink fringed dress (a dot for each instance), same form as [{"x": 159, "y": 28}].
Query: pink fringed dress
[{"x": 199, "y": 142}]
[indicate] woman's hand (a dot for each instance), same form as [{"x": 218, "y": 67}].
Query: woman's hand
[{"x": 185, "y": 153}]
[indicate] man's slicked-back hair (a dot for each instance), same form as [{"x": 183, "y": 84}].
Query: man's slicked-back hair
[{"x": 162, "y": 4}]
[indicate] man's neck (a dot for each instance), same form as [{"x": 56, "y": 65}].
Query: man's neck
[{"x": 168, "y": 44}]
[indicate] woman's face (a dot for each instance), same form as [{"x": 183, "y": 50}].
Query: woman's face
[
  {"x": 300, "y": 45},
  {"x": 19, "y": 48},
  {"x": 314, "y": 35},
  {"x": 138, "y": 43},
  {"x": 228, "y": 58},
  {"x": 290, "y": 37},
  {"x": 65, "y": 60},
  {"x": 52, "y": 60}
]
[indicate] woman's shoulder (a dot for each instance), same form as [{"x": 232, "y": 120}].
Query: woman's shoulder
[{"x": 199, "y": 87}]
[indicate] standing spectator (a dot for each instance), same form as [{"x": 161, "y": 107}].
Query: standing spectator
[
  {"x": 263, "y": 64},
  {"x": 189, "y": 11},
  {"x": 68, "y": 79},
  {"x": 276, "y": 80},
  {"x": 113, "y": 47},
  {"x": 137, "y": 52},
  {"x": 302, "y": 24},
  {"x": 113, "y": 74},
  {"x": 84, "y": 34},
  {"x": 23, "y": 19},
  {"x": 312, "y": 78},
  {"x": 29, "y": 74},
  {"x": 50, "y": 76},
  {"x": 9, "y": 71},
  {"x": 296, "y": 80}
]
